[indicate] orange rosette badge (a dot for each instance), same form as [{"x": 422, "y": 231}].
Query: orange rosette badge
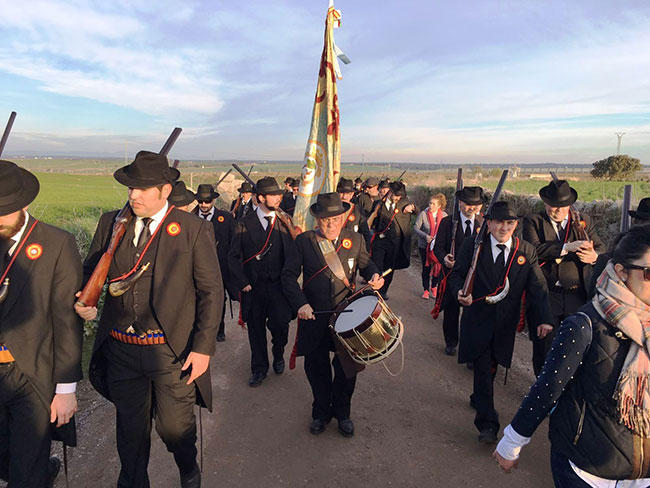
[
  {"x": 221, "y": 219},
  {"x": 347, "y": 243},
  {"x": 521, "y": 260},
  {"x": 34, "y": 251},
  {"x": 351, "y": 218},
  {"x": 173, "y": 229},
  {"x": 583, "y": 224}
]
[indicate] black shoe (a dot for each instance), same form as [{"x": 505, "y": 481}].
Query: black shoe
[
  {"x": 450, "y": 350},
  {"x": 317, "y": 426},
  {"x": 193, "y": 479},
  {"x": 221, "y": 337},
  {"x": 256, "y": 379},
  {"x": 278, "y": 366},
  {"x": 53, "y": 469},
  {"x": 346, "y": 428},
  {"x": 487, "y": 436}
]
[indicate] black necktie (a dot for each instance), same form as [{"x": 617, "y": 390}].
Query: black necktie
[
  {"x": 500, "y": 263},
  {"x": 145, "y": 233},
  {"x": 468, "y": 228},
  {"x": 205, "y": 216},
  {"x": 5, "y": 245},
  {"x": 269, "y": 219}
]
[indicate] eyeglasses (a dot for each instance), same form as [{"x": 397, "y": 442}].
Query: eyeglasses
[
  {"x": 646, "y": 270},
  {"x": 204, "y": 201}
]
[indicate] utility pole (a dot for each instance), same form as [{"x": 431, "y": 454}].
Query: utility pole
[{"x": 618, "y": 146}]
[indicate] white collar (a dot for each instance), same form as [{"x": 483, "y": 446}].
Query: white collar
[
  {"x": 207, "y": 216},
  {"x": 465, "y": 218},
  {"x": 496, "y": 250}
]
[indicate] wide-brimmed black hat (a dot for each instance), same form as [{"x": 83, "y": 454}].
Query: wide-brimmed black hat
[
  {"x": 328, "y": 205},
  {"x": 18, "y": 187},
  {"x": 345, "y": 186},
  {"x": 558, "y": 194},
  {"x": 245, "y": 187},
  {"x": 643, "y": 210},
  {"x": 180, "y": 195},
  {"x": 268, "y": 186},
  {"x": 472, "y": 195},
  {"x": 383, "y": 184},
  {"x": 398, "y": 188},
  {"x": 206, "y": 192},
  {"x": 358, "y": 180},
  {"x": 501, "y": 211},
  {"x": 372, "y": 181},
  {"x": 147, "y": 169}
]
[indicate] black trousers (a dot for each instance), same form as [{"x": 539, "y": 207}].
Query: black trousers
[
  {"x": 450, "y": 317},
  {"x": 383, "y": 254},
  {"x": 222, "y": 324},
  {"x": 485, "y": 369},
  {"x": 25, "y": 436},
  {"x": 332, "y": 398},
  {"x": 267, "y": 308},
  {"x": 146, "y": 382}
]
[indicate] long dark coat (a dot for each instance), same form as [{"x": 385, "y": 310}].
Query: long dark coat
[
  {"x": 398, "y": 232},
  {"x": 187, "y": 292},
  {"x": 485, "y": 326},
  {"x": 224, "y": 230}
]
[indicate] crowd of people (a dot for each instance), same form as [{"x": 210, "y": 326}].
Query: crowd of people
[{"x": 172, "y": 267}]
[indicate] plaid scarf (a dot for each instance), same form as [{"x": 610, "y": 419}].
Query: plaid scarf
[{"x": 623, "y": 310}]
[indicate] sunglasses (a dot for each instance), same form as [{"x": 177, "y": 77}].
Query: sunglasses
[
  {"x": 204, "y": 201},
  {"x": 646, "y": 270}
]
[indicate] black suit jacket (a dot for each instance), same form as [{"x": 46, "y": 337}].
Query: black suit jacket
[
  {"x": 485, "y": 326},
  {"x": 442, "y": 246},
  {"x": 37, "y": 320},
  {"x": 187, "y": 292},
  {"x": 288, "y": 203},
  {"x": 398, "y": 231},
  {"x": 223, "y": 224},
  {"x": 324, "y": 291},
  {"x": 539, "y": 231},
  {"x": 243, "y": 209}
]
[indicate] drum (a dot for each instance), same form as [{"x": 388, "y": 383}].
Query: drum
[{"x": 368, "y": 329}]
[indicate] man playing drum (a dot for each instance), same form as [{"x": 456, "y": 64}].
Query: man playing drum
[{"x": 329, "y": 258}]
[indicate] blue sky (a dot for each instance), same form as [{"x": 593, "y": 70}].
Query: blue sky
[{"x": 472, "y": 81}]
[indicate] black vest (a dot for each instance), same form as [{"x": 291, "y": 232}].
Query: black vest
[{"x": 583, "y": 426}]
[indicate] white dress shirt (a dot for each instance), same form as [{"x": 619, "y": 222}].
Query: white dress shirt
[
  {"x": 260, "y": 215},
  {"x": 153, "y": 225},
  {"x": 496, "y": 251},
  {"x": 207, "y": 216},
  {"x": 464, "y": 218}
]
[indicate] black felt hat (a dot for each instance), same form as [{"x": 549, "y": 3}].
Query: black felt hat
[
  {"x": 295, "y": 183},
  {"x": 501, "y": 211},
  {"x": 372, "y": 181},
  {"x": 268, "y": 186},
  {"x": 288, "y": 180},
  {"x": 384, "y": 184},
  {"x": 18, "y": 187},
  {"x": 328, "y": 205},
  {"x": 205, "y": 192},
  {"x": 472, "y": 195},
  {"x": 147, "y": 169},
  {"x": 245, "y": 187},
  {"x": 345, "y": 186},
  {"x": 558, "y": 194},
  {"x": 180, "y": 195},
  {"x": 398, "y": 188},
  {"x": 643, "y": 210},
  {"x": 358, "y": 180}
]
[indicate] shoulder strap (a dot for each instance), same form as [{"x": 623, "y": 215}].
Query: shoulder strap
[{"x": 332, "y": 258}]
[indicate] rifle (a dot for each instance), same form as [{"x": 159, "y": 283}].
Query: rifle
[
  {"x": 478, "y": 240},
  {"x": 576, "y": 221},
  {"x": 251, "y": 169},
  {"x": 222, "y": 178},
  {"x": 455, "y": 217},
  {"x": 373, "y": 215},
  {"x": 399, "y": 178},
  {"x": 90, "y": 294},
  {"x": 5, "y": 135},
  {"x": 625, "y": 207},
  {"x": 281, "y": 214},
  {"x": 176, "y": 163}
]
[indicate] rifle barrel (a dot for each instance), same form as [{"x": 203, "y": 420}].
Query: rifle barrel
[
  {"x": 246, "y": 177},
  {"x": 625, "y": 207},
  {"x": 171, "y": 140},
  {"x": 5, "y": 135}
]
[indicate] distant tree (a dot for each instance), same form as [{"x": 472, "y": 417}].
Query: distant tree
[{"x": 621, "y": 167}]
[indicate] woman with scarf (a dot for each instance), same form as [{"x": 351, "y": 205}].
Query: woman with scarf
[
  {"x": 426, "y": 228},
  {"x": 594, "y": 383}
]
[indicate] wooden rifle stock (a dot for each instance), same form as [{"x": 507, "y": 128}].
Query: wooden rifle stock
[
  {"x": 5, "y": 135},
  {"x": 576, "y": 220},
  {"x": 625, "y": 207},
  {"x": 455, "y": 216},
  {"x": 468, "y": 286}
]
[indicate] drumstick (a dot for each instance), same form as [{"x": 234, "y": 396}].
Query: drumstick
[
  {"x": 364, "y": 288},
  {"x": 330, "y": 311}
]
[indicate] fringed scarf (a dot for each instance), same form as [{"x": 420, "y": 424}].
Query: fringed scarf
[
  {"x": 623, "y": 310},
  {"x": 432, "y": 261}
]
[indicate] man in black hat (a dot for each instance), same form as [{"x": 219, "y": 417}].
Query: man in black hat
[
  {"x": 288, "y": 184},
  {"x": 181, "y": 197},
  {"x": 244, "y": 203},
  {"x": 369, "y": 196},
  {"x": 40, "y": 338},
  {"x": 470, "y": 201},
  {"x": 224, "y": 230},
  {"x": 390, "y": 246},
  {"x": 154, "y": 341},
  {"x": 288, "y": 203},
  {"x": 507, "y": 266},
  {"x": 323, "y": 289},
  {"x": 383, "y": 188},
  {"x": 258, "y": 251},
  {"x": 354, "y": 220},
  {"x": 566, "y": 259}
]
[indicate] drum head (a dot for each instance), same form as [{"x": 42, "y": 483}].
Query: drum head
[{"x": 361, "y": 308}]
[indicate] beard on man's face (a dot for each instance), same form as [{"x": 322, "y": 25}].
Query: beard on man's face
[{"x": 8, "y": 231}]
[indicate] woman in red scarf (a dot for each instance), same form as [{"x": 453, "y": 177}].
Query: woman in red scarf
[{"x": 426, "y": 228}]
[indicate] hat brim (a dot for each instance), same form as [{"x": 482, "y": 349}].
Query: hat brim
[
  {"x": 270, "y": 192},
  {"x": 543, "y": 194},
  {"x": 635, "y": 214},
  {"x": 28, "y": 193},
  {"x": 480, "y": 201},
  {"x": 210, "y": 197},
  {"x": 509, "y": 216},
  {"x": 189, "y": 198},
  {"x": 124, "y": 179},
  {"x": 314, "y": 209}
]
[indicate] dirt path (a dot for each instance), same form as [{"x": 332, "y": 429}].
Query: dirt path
[{"x": 414, "y": 430}]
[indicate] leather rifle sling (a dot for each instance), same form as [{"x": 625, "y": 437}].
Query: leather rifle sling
[{"x": 332, "y": 259}]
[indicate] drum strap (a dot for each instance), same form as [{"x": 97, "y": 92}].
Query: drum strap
[{"x": 332, "y": 258}]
